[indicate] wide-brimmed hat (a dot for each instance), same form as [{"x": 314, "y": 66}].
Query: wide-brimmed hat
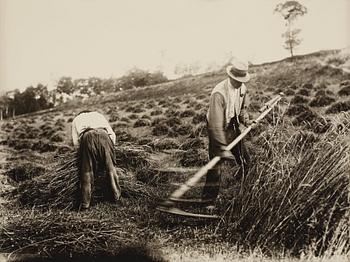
[{"x": 238, "y": 70}]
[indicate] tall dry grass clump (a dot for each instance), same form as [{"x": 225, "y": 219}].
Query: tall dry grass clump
[{"x": 296, "y": 195}]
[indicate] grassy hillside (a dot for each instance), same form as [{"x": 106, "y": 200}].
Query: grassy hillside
[{"x": 294, "y": 200}]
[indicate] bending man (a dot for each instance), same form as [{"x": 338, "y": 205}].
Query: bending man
[{"x": 95, "y": 140}]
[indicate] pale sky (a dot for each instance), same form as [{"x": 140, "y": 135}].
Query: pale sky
[{"x": 43, "y": 40}]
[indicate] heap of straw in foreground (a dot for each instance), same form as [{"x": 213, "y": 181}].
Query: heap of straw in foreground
[
  {"x": 296, "y": 195},
  {"x": 59, "y": 187},
  {"x": 69, "y": 234}
]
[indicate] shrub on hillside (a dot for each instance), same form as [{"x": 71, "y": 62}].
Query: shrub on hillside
[
  {"x": 339, "y": 107},
  {"x": 320, "y": 101},
  {"x": 138, "y": 78}
]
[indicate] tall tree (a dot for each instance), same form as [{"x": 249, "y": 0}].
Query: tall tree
[{"x": 290, "y": 11}]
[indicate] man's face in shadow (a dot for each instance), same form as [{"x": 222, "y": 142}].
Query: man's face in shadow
[{"x": 235, "y": 83}]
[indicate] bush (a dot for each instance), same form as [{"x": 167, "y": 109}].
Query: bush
[
  {"x": 137, "y": 78},
  {"x": 338, "y": 107}
]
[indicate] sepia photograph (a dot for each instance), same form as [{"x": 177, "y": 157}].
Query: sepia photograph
[{"x": 175, "y": 130}]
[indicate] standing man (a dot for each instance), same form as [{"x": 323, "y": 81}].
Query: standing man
[
  {"x": 94, "y": 138},
  {"x": 227, "y": 110}
]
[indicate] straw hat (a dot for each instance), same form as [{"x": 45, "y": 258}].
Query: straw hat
[{"x": 238, "y": 70}]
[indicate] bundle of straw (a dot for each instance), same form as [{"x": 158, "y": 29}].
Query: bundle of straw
[
  {"x": 59, "y": 187},
  {"x": 67, "y": 233},
  {"x": 296, "y": 193}
]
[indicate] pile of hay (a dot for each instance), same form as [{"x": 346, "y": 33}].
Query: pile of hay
[
  {"x": 69, "y": 234},
  {"x": 296, "y": 195},
  {"x": 59, "y": 187}
]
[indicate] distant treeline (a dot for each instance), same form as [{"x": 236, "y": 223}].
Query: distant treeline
[{"x": 38, "y": 98}]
